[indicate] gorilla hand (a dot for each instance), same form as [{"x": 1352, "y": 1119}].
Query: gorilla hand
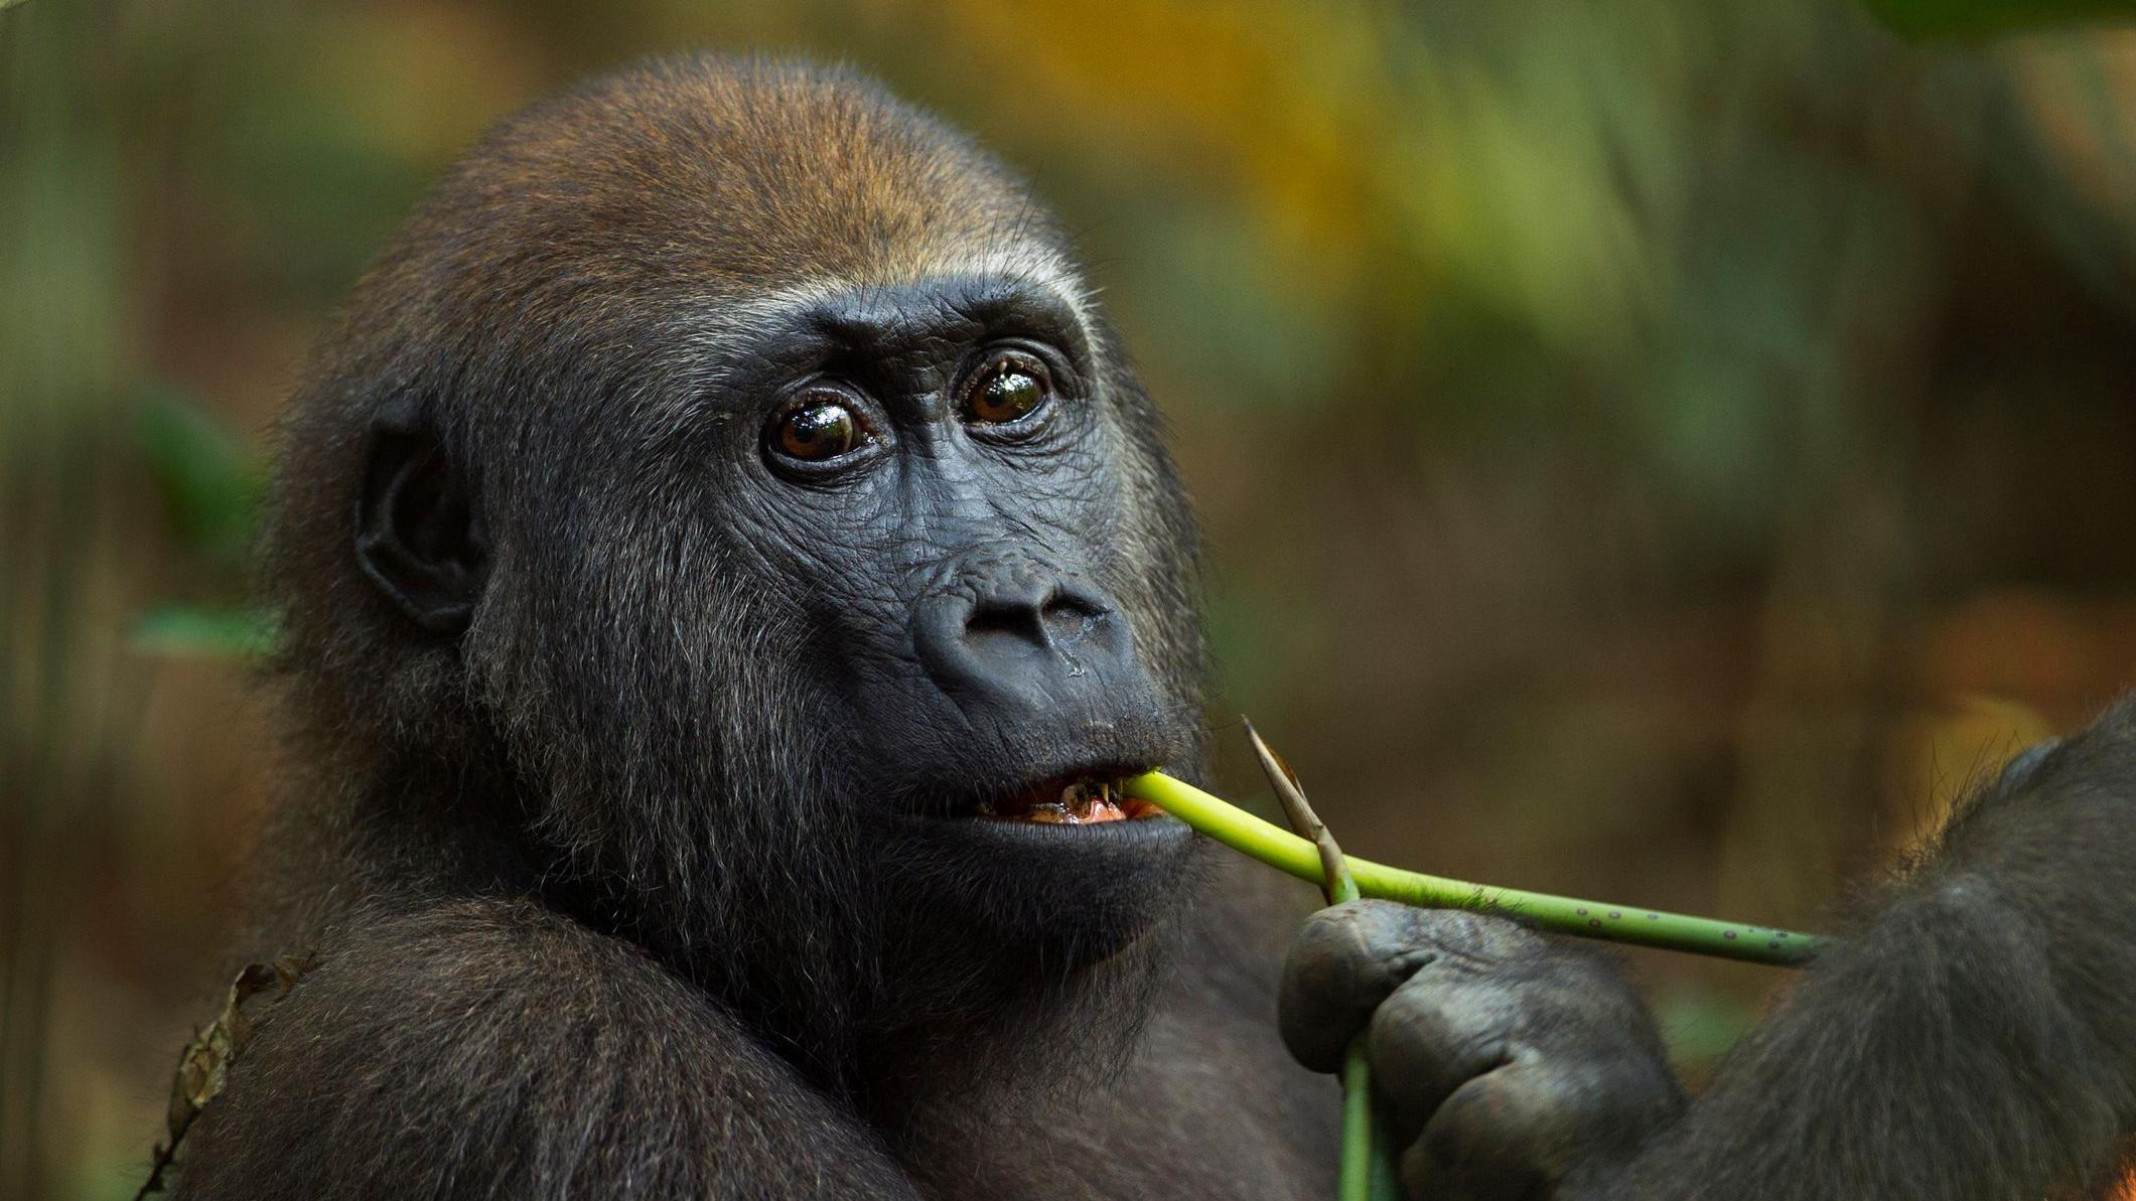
[{"x": 1512, "y": 1068}]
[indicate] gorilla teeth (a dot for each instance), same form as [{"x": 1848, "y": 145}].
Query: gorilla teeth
[{"x": 1079, "y": 802}]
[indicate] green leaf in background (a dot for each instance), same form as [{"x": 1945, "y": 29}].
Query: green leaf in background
[
  {"x": 210, "y": 481},
  {"x": 189, "y": 632},
  {"x": 1975, "y": 18}
]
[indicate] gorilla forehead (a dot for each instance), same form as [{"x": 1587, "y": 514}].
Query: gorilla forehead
[{"x": 715, "y": 178}]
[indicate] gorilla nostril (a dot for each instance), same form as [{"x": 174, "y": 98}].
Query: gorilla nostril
[
  {"x": 1069, "y": 617},
  {"x": 998, "y": 618}
]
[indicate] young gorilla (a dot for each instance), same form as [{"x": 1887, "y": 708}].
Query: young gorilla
[{"x": 725, "y": 557}]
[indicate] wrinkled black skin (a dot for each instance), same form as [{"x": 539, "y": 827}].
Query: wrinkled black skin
[{"x": 629, "y": 763}]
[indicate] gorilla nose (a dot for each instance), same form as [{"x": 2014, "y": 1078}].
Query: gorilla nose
[{"x": 1039, "y": 642}]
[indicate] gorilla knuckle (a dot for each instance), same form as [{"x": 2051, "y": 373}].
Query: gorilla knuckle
[
  {"x": 1492, "y": 1138},
  {"x": 1342, "y": 964}
]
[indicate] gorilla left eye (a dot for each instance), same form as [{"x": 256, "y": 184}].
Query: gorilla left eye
[
  {"x": 1010, "y": 388},
  {"x": 816, "y": 427}
]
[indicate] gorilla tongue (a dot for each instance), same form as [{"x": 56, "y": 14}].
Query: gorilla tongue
[{"x": 1073, "y": 803}]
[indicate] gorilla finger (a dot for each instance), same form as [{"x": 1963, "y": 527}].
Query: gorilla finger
[
  {"x": 1510, "y": 1133},
  {"x": 1348, "y": 958},
  {"x": 1541, "y": 1121},
  {"x": 1433, "y": 1035}
]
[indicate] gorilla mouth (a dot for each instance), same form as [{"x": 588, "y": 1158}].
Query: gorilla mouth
[{"x": 1069, "y": 801}]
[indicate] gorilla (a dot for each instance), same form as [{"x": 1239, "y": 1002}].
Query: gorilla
[{"x": 725, "y": 561}]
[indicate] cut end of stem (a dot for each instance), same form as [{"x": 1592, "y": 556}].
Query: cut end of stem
[{"x": 1336, "y": 883}]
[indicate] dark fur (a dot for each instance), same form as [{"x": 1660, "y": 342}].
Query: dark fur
[
  {"x": 600, "y": 851},
  {"x": 598, "y": 908}
]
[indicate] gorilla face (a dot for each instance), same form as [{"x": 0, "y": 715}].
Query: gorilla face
[
  {"x": 761, "y": 529},
  {"x": 928, "y": 481},
  {"x": 929, "y": 476}
]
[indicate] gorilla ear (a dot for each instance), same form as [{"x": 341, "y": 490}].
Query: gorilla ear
[{"x": 418, "y": 536}]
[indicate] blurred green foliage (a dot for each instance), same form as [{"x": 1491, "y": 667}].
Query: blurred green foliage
[
  {"x": 212, "y": 486},
  {"x": 1660, "y": 449},
  {"x": 219, "y": 633},
  {"x": 210, "y": 481}
]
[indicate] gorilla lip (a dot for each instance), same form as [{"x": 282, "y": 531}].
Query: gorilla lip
[{"x": 1069, "y": 801}]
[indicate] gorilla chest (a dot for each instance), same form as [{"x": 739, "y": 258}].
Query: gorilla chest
[
  {"x": 1180, "y": 1122},
  {"x": 1137, "y": 1162}
]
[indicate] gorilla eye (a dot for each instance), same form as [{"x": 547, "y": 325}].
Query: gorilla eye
[
  {"x": 1008, "y": 389},
  {"x": 815, "y": 427}
]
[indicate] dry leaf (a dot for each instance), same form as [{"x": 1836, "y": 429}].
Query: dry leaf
[{"x": 204, "y": 1065}]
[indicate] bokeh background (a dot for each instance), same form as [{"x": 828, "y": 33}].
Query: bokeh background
[{"x": 1659, "y": 450}]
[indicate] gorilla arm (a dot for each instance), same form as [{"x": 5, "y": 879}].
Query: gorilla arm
[
  {"x": 492, "y": 1049},
  {"x": 1974, "y": 1040}
]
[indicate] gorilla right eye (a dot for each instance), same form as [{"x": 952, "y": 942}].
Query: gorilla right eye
[{"x": 815, "y": 427}]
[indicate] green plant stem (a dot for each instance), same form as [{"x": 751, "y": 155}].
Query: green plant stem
[
  {"x": 1366, "y": 1170},
  {"x": 1286, "y": 852},
  {"x": 1386, "y": 1182},
  {"x": 1354, "y": 1182},
  {"x": 1366, "y": 1158}
]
